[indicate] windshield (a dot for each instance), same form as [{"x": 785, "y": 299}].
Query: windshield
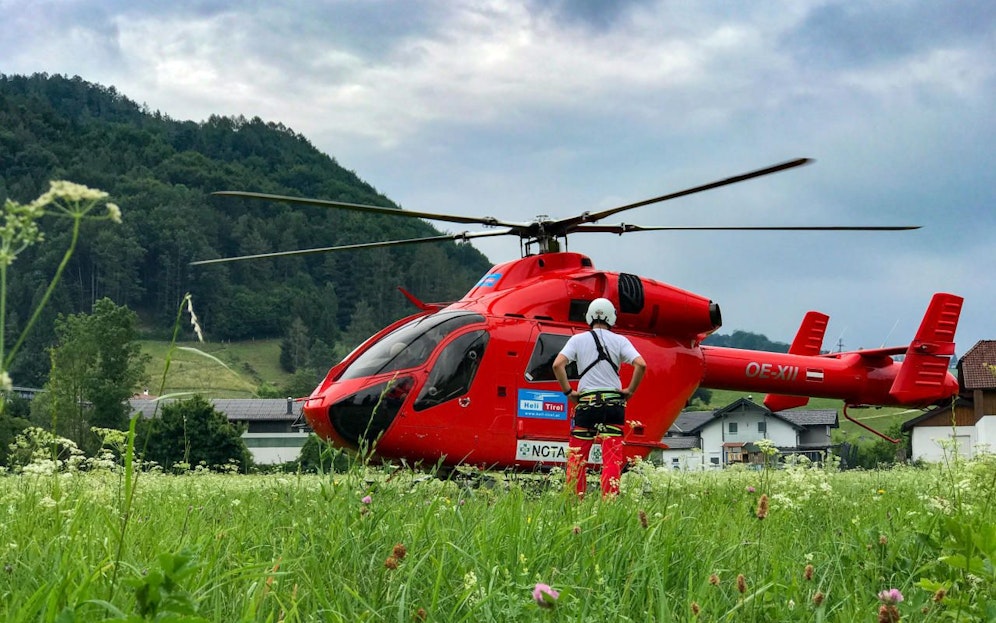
[{"x": 409, "y": 345}]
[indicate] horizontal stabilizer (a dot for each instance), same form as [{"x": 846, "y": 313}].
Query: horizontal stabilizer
[
  {"x": 808, "y": 341},
  {"x": 924, "y": 375}
]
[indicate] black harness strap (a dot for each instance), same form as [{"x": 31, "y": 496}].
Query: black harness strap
[{"x": 602, "y": 356}]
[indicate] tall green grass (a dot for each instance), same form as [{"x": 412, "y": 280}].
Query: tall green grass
[{"x": 324, "y": 547}]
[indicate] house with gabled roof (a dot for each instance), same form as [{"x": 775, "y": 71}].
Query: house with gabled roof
[
  {"x": 274, "y": 430},
  {"x": 966, "y": 425},
  {"x": 729, "y": 436}
]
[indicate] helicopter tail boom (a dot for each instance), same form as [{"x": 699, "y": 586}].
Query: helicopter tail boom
[{"x": 871, "y": 377}]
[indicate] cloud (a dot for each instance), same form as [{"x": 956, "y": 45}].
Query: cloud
[{"x": 520, "y": 108}]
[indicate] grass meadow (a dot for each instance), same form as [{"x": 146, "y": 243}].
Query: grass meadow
[
  {"x": 233, "y": 370},
  {"x": 380, "y": 544}
]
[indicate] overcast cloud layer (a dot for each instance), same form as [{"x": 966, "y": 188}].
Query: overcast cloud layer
[{"x": 517, "y": 108}]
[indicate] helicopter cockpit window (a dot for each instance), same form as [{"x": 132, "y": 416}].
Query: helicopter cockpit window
[
  {"x": 540, "y": 366},
  {"x": 408, "y": 346},
  {"x": 454, "y": 370}
]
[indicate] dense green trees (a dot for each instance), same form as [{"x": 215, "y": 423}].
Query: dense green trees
[
  {"x": 192, "y": 432},
  {"x": 162, "y": 173},
  {"x": 746, "y": 340},
  {"x": 97, "y": 364}
]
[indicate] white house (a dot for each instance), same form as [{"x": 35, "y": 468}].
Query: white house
[
  {"x": 702, "y": 439},
  {"x": 966, "y": 425}
]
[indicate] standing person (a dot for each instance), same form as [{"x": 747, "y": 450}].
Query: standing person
[{"x": 601, "y": 409}]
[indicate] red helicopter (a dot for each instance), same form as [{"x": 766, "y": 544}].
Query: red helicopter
[{"x": 471, "y": 382}]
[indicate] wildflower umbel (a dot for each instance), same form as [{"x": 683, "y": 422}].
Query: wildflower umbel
[
  {"x": 19, "y": 230},
  {"x": 545, "y": 596}
]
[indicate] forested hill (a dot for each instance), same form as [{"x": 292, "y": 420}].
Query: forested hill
[
  {"x": 746, "y": 340},
  {"x": 161, "y": 171}
]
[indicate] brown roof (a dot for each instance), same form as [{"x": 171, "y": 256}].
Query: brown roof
[{"x": 977, "y": 367}]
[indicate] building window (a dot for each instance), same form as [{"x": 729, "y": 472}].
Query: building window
[
  {"x": 714, "y": 460},
  {"x": 762, "y": 427},
  {"x": 733, "y": 428}
]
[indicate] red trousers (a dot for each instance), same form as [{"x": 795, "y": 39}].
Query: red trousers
[{"x": 612, "y": 462}]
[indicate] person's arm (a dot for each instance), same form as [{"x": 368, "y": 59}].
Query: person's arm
[
  {"x": 560, "y": 371},
  {"x": 639, "y": 369}
]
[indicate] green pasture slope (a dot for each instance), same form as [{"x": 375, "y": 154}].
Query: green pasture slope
[
  {"x": 795, "y": 544},
  {"x": 215, "y": 369}
]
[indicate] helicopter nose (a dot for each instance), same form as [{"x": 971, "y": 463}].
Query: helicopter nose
[{"x": 362, "y": 417}]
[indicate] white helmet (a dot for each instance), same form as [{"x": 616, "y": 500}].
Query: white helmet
[{"x": 601, "y": 310}]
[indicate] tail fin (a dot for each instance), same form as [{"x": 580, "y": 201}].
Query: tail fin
[
  {"x": 924, "y": 376},
  {"x": 808, "y": 341}
]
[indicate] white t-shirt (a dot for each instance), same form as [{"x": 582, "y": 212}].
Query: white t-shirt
[{"x": 581, "y": 349}]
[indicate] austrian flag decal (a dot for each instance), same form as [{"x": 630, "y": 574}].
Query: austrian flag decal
[{"x": 814, "y": 375}]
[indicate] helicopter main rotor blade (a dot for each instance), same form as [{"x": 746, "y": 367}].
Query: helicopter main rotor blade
[
  {"x": 349, "y": 247},
  {"x": 624, "y": 228},
  {"x": 488, "y": 221},
  {"x": 589, "y": 217}
]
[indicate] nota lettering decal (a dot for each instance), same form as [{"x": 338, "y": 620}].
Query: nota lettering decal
[{"x": 551, "y": 452}]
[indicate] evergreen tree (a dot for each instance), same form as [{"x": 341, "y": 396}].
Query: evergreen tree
[
  {"x": 361, "y": 326},
  {"x": 294, "y": 347}
]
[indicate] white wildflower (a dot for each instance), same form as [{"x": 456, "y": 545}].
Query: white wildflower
[
  {"x": 114, "y": 213},
  {"x": 70, "y": 191}
]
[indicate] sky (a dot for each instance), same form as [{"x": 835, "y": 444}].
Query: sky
[{"x": 519, "y": 108}]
